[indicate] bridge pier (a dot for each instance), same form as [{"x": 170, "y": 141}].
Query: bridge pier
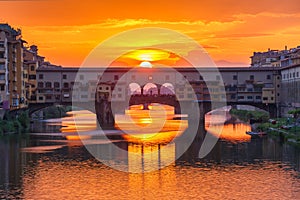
[{"x": 104, "y": 114}]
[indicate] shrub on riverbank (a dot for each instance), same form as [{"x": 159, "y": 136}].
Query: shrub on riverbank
[
  {"x": 15, "y": 124},
  {"x": 246, "y": 115}
]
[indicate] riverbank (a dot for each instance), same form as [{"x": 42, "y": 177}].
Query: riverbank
[
  {"x": 288, "y": 130},
  {"x": 11, "y": 125},
  {"x": 249, "y": 115}
]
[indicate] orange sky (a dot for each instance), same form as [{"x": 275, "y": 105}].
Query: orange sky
[{"x": 66, "y": 31}]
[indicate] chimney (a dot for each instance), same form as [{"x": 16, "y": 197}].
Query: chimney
[
  {"x": 34, "y": 48},
  {"x": 285, "y": 47}
]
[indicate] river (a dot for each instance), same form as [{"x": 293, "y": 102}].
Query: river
[{"x": 45, "y": 165}]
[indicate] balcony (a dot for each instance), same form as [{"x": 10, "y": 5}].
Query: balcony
[
  {"x": 2, "y": 49},
  {"x": 2, "y": 69},
  {"x": 2, "y": 81},
  {"x": 14, "y": 68}
]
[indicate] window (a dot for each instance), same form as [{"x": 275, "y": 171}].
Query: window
[
  {"x": 32, "y": 68},
  {"x": 116, "y": 77},
  {"x": 120, "y": 89},
  {"x": 81, "y": 77},
  {"x": 41, "y": 98},
  {"x": 268, "y": 77},
  {"x": 265, "y": 98},
  {"x": 297, "y": 74},
  {"x": 258, "y": 97},
  {"x": 107, "y": 88},
  {"x": 249, "y": 97},
  {"x": 56, "y": 84},
  {"x": 66, "y": 85},
  {"x": 119, "y": 95},
  {"x": 48, "y": 85},
  {"x": 32, "y": 77},
  {"x": 251, "y": 77},
  {"x": 40, "y": 84},
  {"x": 233, "y": 96},
  {"x": 272, "y": 98},
  {"x": 2, "y": 87},
  {"x": 234, "y": 77},
  {"x": 41, "y": 76},
  {"x": 64, "y": 76},
  {"x": 48, "y": 97},
  {"x": 241, "y": 97}
]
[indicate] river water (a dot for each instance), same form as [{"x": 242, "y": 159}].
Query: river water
[{"x": 46, "y": 165}]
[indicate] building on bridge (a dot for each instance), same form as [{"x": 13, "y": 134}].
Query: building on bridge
[{"x": 236, "y": 85}]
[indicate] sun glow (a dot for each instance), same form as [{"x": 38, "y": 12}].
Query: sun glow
[{"x": 146, "y": 64}]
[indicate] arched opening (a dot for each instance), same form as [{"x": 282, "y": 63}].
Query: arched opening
[
  {"x": 167, "y": 89},
  {"x": 150, "y": 89},
  {"x": 134, "y": 89}
]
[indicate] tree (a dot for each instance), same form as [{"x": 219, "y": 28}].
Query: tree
[{"x": 295, "y": 113}]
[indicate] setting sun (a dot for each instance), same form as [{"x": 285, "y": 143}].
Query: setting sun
[{"x": 146, "y": 64}]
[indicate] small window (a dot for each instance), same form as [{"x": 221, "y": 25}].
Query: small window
[
  {"x": 41, "y": 76},
  {"x": 64, "y": 76},
  {"x": 56, "y": 84},
  {"x": 251, "y": 77},
  {"x": 265, "y": 98},
  {"x": 48, "y": 84},
  {"x": 258, "y": 97},
  {"x": 41, "y": 98},
  {"x": 66, "y": 85},
  {"x": 234, "y": 77},
  {"x": 32, "y": 68},
  {"x": 119, "y": 95},
  {"x": 40, "y": 84},
  {"x": 268, "y": 77},
  {"x": 249, "y": 97},
  {"x": 116, "y": 77}
]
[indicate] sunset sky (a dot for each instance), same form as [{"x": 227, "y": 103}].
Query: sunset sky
[{"x": 66, "y": 30}]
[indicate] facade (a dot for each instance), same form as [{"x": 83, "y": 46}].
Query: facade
[
  {"x": 31, "y": 61},
  {"x": 251, "y": 85},
  {"x": 290, "y": 93},
  {"x": 276, "y": 58},
  {"x": 12, "y": 85}
]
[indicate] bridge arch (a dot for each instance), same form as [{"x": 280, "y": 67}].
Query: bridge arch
[
  {"x": 134, "y": 89},
  {"x": 150, "y": 89},
  {"x": 167, "y": 89}
]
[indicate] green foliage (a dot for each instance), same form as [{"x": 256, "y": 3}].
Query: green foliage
[
  {"x": 18, "y": 124},
  {"x": 55, "y": 112},
  {"x": 246, "y": 115},
  {"x": 295, "y": 112}
]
